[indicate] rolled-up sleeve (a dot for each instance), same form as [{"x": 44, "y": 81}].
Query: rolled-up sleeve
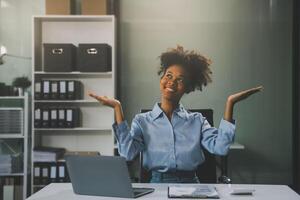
[
  {"x": 130, "y": 140},
  {"x": 217, "y": 141}
]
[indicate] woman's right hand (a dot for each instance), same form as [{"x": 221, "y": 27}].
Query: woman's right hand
[{"x": 111, "y": 102}]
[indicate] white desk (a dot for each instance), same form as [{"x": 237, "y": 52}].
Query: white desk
[{"x": 64, "y": 191}]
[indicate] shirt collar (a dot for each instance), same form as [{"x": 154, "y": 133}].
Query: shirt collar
[{"x": 157, "y": 111}]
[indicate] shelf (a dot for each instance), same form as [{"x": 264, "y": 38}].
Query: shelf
[
  {"x": 12, "y": 97},
  {"x": 73, "y": 129},
  {"x": 96, "y": 132},
  {"x": 67, "y": 101},
  {"x": 11, "y": 136},
  {"x": 74, "y": 18},
  {"x": 11, "y": 174},
  {"x": 73, "y": 74}
]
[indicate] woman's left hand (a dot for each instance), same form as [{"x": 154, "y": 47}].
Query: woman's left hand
[{"x": 234, "y": 98}]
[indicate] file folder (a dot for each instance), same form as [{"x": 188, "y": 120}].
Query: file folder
[
  {"x": 37, "y": 118},
  {"x": 61, "y": 171},
  {"x": 74, "y": 90},
  {"x": 37, "y": 175},
  {"x": 62, "y": 90},
  {"x": 53, "y": 172},
  {"x": 54, "y": 89},
  {"x": 72, "y": 117},
  {"x": 46, "y": 89},
  {"x": 45, "y": 174},
  {"x": 61, "y": 118},
  {"x": 53, "y": 118},
  {"x": 38, "y": 90},
  {"x": 45, "y": 118}
]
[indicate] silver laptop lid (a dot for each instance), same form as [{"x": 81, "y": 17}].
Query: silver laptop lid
[{"x": 99, "y": 176}]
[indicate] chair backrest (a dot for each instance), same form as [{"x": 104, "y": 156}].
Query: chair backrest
[{"x": 206, "y": 172}]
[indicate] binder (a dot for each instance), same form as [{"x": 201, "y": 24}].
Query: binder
[
  {"x": 53, "y": 172},
  {"x": 46, "y": 89},
  {"x": 45, "y": 174},
  {"x": 37, "y": 174},
  {"x": 74, "y": 90},
  {"x": 37, "y": 118},
  {"x": 38, "y": 90},
  {"x": 54, "y": 89},
  {"x": 45, "y": 118},
  {"x": 61, "y": 118},
  {"x": 53, "y": 118},
  {"x": 72, "y": 117},
  {"x": 61, "y": 171},
  {"x": 62, "y": 90}
]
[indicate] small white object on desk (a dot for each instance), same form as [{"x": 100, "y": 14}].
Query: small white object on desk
[{"x": 242, "y": 191}]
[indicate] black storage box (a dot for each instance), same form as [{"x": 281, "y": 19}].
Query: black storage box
[
  {"x": 94, "y": 58},
  {"x": 59, "y": 57}
]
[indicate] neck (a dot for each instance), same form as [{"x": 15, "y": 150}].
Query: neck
[{"x": 168, "y": 107}]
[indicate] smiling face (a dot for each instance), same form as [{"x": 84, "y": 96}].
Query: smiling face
[{"x": 173, "y": 83}]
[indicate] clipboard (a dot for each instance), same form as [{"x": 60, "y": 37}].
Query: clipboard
[{"x": 193, "y": 191}]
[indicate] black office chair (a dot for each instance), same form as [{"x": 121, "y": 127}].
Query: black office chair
[{"x": 206, "y": 172}]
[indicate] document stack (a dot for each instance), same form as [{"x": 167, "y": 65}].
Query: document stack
[
  {"x": 48, "y": 154},
  {"x": 10, "y": 163}
]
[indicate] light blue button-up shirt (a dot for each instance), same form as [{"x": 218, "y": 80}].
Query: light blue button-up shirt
[{"x": 172, "y": 145}]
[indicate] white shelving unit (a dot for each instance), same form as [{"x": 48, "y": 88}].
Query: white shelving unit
[
  {"x": 96, "y": 133},
  {"x": 25, "y": 137}
]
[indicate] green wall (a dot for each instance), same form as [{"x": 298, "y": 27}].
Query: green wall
[{"x": 250, "y": 43}]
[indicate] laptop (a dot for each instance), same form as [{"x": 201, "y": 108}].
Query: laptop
[{"x": 102, "y": 176}]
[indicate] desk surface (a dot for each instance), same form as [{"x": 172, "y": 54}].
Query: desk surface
[{"x": 64, "y": 191}]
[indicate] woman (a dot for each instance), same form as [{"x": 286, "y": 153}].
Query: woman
[{"x": 170, "y": 137}]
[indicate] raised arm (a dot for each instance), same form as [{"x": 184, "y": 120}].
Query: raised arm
[
  {"x": 234, "y": 98},
  {"x": 130, "y": 140},
  {"x": 113, "y": 103}
]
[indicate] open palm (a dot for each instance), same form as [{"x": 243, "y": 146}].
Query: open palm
[
  {"x": 234, "y": 98},
  {"x": 111, "y": 102}
]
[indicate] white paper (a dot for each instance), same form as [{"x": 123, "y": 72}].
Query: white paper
[{"x": 195, "y": 191}]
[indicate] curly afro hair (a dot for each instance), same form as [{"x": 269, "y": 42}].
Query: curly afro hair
[{"x": 197, "y": 66}]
